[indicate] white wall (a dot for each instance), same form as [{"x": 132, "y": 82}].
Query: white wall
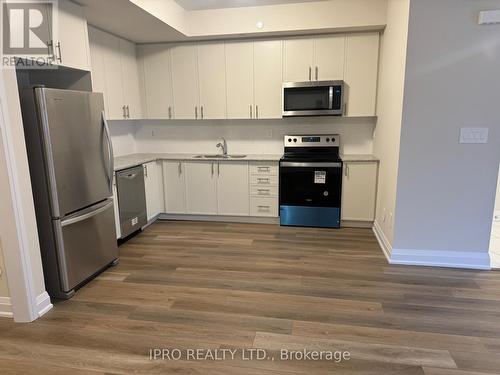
[
  {"x": 446, "y": 190},
  {"x": 123, "y": 136},
  {"x": 389, "y": 111},
  {"x": 245, "y": 136}
]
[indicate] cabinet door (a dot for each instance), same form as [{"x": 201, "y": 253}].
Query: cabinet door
[
  {"x": 157, "y": 68},
  {"x": 268, "y": 86},
  {"x": 359, "y": 186},
  {"x": 298, "y": 59},
  {"x": 232, "y": 189},
  {"x": 201, "y": 188},
  {"x": 153, "y": 183},
  {"x": 130, "y": 77},
  {"x": 239, "y": 78},
  {"x": 113, "y": 76},
  {"x": 185, "y": 82},
  {"x": 73, "y": 50},
  {"x": 174, "y": 187},
  {"x": 329, "y": 58},
  {"x": 116, "y": 208},
  {"x": 98, "y": 72},
  {"x": 212, "y": 80},
  {"x": 361, "y": 72}
]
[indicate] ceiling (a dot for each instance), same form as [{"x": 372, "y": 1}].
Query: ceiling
[{"x": 219, "y": 4}]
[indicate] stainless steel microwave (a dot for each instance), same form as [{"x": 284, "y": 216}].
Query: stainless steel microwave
[{"x": 317, "y": 98}]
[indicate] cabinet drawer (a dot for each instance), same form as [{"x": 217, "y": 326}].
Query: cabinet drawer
[
  {"x": 264, "y": 169},
  {"x": 264, "y": 190},
  {"x": 263, "y": 206},
  {"x": 263, "y": 180}
]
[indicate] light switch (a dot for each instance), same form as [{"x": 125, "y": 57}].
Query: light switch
[{"x": 474, "y": 135}]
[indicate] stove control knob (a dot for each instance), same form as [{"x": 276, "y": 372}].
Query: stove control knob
[
  {"x": 295, "y": 139},
  {"x": 333, "y": 139},
  {"x": 289, "y": 139},
  {"x": 328, "y": 140}
]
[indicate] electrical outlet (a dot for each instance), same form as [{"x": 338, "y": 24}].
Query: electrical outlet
[{"x": 474, "y": 135}]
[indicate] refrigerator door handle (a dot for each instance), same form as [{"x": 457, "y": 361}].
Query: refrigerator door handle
[
  {"x": 111, "y": 165},
  {"x": 87, "y": 215}
]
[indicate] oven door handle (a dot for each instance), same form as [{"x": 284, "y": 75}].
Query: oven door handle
[{"x": 315, "y": 165}]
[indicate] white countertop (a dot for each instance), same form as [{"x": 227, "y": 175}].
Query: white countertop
[
  {"x": 359, "y": 158},
  {"x": 127, "y": 161}
]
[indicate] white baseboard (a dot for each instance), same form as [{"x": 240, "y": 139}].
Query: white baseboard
[
  {"x": 43, "y": 304},
  {"x": 382, "y": 241},
  {"x": 442, "y": 258},
  {"x": 432, "y": 258},
  {"x": 5, "y": 307}
]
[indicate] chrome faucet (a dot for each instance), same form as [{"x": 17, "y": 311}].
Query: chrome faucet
[{"x": 222, "y": 145}]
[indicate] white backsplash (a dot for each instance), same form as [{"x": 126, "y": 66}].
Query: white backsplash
[{"x": 243, "y": 136}]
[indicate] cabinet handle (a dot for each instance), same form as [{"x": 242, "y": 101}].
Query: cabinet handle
[
  {"x": 212, "y": 169},
  {"x": 59, "y": 49},
  {"x": 169, "y": 112},
  {"x": 180, "y": 168},
  {"x": 263, "y": 208},
  {"x": 250, "y": 111},
  {"x": 263, "y": 190},
  {"x": 145, "y": 170},
  {"x": 202, "y": 112},
  {"x": 124, "y": 112},
  {"x": 218, "y": 169},
  {"x": 317, "y": 70},
  {"x": 345, "y": 109},
  {"x": 346, "y": 170},
  {"x": 196, "y": 112},
  {"x": 310, "y": 74},
  {"x": 256, "y": 111},
  {"x": 263, "y": 169},
  {"x": 50, "y": 50},
  {"x": 128, "y": 112}
]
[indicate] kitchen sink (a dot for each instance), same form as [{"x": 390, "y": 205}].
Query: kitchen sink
[{"x": 220, "y": 156}]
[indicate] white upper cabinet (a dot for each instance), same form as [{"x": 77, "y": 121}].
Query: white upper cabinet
[
  {"x": 268, "y": 84},
  {"x": 212, "y": 81},
  {"x": 233, "y": 189},
  {"x": 72, "y": 48},
  {"x": 113, "y": 78},
  {"x": 130, "y": 78},
  {"x": 239, "y": 80},
  {"x": 329, "y": 58},
  {"x": 201, "y": 188},
  {"x": 298, "y": 59},
  {"x": 185, "y": 82},
  {"x": 314, "y": 59},
  {"x": 153, "y": 185},
  {"x": 359, "y": 190},
  {"x": 115, "y": 71},
  {"x": 361, "y": 72},
  {"x": 174, "y": 185},
  {"x": 157, "y": 78}
]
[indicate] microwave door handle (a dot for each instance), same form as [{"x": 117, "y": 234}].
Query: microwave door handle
[{"x": 330, "y": 98}]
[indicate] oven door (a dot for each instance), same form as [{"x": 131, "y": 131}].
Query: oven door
[{"x": 310, "y": 193}]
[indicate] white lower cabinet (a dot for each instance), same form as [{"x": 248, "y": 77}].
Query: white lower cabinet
[
  {"x": 359, "y": 189},
  {"x": 232, "y": 189},
  {"x": 201, "y": 188},
  {"x": 174, "y": 187},
  {"x": 153, "y": 184},
  {"x": 116, "y": 209},
  {"x": 264, "y": 189}
]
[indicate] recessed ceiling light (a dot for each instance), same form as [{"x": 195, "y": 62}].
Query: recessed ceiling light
[{"x": 260, "y": 25}]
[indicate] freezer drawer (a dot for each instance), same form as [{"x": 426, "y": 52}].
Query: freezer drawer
[
  {"x": 131, "y": 200},
  {"x": 87, "y": 244}
]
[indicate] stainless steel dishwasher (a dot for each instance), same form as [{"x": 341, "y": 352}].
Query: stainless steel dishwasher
[{"x": 131, "y": 199}]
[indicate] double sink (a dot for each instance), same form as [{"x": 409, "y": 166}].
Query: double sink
[{"x": 221, "y": 156}]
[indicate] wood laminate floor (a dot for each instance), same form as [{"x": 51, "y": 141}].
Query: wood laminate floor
[{"x": 190, "y": 285}]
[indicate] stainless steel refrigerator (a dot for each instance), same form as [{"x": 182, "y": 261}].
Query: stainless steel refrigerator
[{"x": 71, "y": 166}]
